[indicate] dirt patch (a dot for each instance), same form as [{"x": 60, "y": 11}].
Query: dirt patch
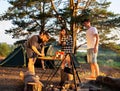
[{"x": 10, "y": 80}]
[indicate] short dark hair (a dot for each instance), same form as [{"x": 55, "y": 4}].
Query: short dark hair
[{"x": 86, "y": 20}]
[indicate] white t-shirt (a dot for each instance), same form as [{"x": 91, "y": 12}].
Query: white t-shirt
[{"x": 91, "y": 39}]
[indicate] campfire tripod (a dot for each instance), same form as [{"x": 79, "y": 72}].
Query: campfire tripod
[{"x": 74, "y": 71}]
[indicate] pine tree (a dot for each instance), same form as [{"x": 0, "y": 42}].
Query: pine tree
[{"x": 50, "y": 15}]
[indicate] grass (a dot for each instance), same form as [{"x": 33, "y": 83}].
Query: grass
[
  {"x": 110, "y": 63},
  {"x": 105, "y": 57}
]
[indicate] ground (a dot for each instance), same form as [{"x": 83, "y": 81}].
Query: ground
[{"x": 10, "y": 80}]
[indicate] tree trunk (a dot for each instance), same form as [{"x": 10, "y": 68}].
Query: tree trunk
[{"x": 73, "y": 24}]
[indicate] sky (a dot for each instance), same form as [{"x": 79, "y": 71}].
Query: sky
[
  {"x": 114, "y": 7},
  {"x": 4, "y": 25}
]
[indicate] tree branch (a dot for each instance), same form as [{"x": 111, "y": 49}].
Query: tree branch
[
  {"x": 53, "y": 6},
  {"x": 80, "y": 45}
]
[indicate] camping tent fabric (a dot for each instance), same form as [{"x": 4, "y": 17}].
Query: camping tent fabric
[
  {"x": 52, "y": 49},
  {"x": 16, "y": 58}
]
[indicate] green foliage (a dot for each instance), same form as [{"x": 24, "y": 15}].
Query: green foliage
[
  {"x": 39, "y": 15},
  {"x": 105, "y": 21},
  {"x": 81, "y": 57},
  {"x": 106, "y": 57},
  {"x": 29, "y": 15},
  {"x": 110, "y": 63},
  {"x": 5, "y": 49},
  {"x": 112, "y": 46},
  {"x": 108, "y": 54}
]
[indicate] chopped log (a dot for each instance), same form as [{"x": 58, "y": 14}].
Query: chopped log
[
  {"x": 110, "y": 81},
  {"x": 32, "y": 86},
  {"x": 31, "y": 81},
  {"x": 66, "y": 79},
  {"x": 63, "y": 77}
]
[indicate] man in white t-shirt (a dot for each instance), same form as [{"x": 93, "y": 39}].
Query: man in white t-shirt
[{"x": 92, "y": 47}]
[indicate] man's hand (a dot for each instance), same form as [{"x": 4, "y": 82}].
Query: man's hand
[
  {"x": 95, "y": 50},
  {"x": 42, "y": 55}
]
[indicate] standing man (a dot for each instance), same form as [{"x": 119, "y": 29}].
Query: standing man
[
  {"x": 34, "y": 48},
  {"x": 92, "y": 47}
]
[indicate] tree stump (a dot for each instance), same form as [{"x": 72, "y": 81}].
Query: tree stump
[
  {"x": 31, "y": 81},
  {"x": 66, "y": 79},
  {"x": 31, "y": 86}
]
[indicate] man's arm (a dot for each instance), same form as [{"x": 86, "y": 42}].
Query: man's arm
[
  {"x": 42, "y": 61},
  {"x": 36, "y": 51},
  {"x": 96, "y": 43},
  {"x": 42, "y": 51}
]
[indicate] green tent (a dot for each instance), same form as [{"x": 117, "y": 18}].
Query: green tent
[
  {"x": 18, "y": 58},
  {"x": 15, "y": 59}
]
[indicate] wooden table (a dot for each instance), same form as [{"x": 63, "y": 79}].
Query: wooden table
[{"x": 49, "y": 58}]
